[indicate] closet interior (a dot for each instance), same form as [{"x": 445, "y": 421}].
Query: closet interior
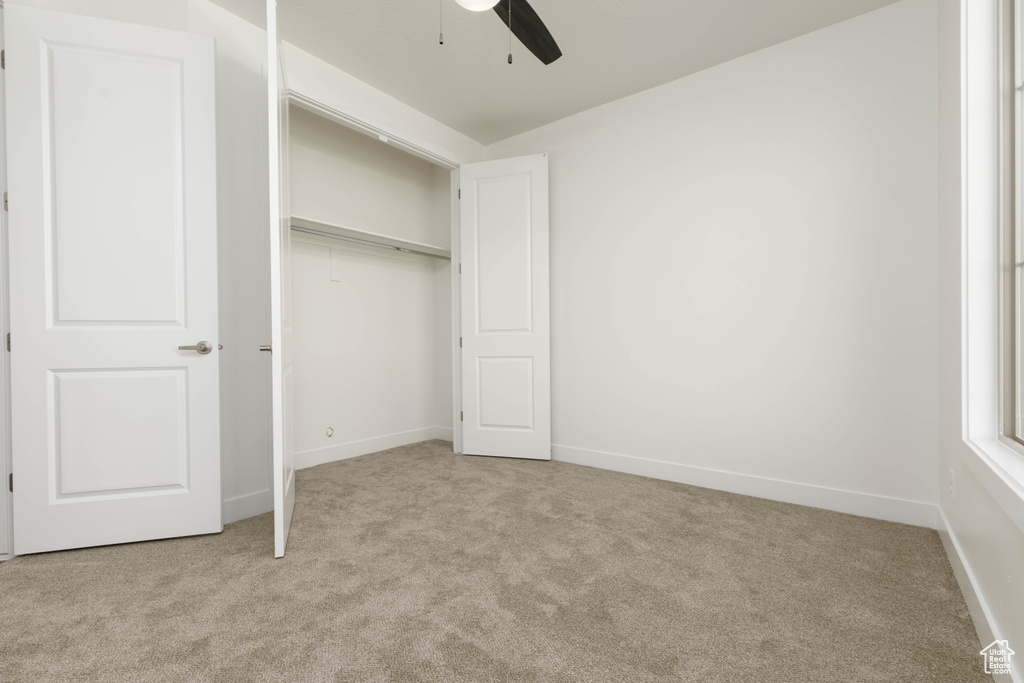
[{"x": 371, "y": 314}]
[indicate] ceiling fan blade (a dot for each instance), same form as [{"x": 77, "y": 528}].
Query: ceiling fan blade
[{"x": 530, "y": 30}]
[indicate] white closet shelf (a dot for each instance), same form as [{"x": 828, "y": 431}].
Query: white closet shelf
[{"x": 300, "y": 223}]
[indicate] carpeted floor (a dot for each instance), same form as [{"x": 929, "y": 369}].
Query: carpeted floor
[{"x": 419, "y": 565}]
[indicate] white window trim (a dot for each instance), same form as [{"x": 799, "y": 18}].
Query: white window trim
[{"x": 998, "y": 464}]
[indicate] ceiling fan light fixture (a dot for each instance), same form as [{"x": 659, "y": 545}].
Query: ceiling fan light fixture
[{"x": 478, "y": 5}]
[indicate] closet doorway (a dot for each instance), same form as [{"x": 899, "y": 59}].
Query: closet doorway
[
  {"x": 371, "y": 288},
  {"x": 391, "y": 340},
  {"x": 390, "y": 305}
]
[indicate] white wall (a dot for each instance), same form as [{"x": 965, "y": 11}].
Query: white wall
[
  {"x": 364, "y": 349},
  {"x": 986, "y": 548},
  {"x": 442, "y": 360},
  {"x": 172, "y": 14},
  {"x": 242, "y": 257},
  {"x": 346, "y": 178},
  {"x": 334, "y": 89},
  {"x": 442, "y": 194},
  {"x": 372, "y": 328},
  {"x": 743, "y": 272}
]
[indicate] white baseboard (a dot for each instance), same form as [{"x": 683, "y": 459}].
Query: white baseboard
[
  {"x": 981, "y": 615},
  {"x": 248, "y": 505},
  {"x": 353, "y": 449},
  {"x": 899, "y": 510}
]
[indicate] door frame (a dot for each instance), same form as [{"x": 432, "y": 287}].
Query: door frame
[
  {"x": 6, "y": 530},
  {"x": 445, "y": 159}
]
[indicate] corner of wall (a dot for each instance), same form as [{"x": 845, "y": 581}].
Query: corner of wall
[{"x": 248, "y": 505}]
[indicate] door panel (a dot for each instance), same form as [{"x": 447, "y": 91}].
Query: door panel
[
  {"x": 105, "y": 419},
  {"x": 280, "y": 289},
  {"x": 93, "y": 97},
  {"x": 506, "y": 358},
  {"x": 504, "y": 292},
  {"x": 113, "y": 267},
  {"x": 506, "y": 392}
]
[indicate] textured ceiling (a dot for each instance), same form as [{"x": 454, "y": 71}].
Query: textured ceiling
[{"x": 612, "y": 48}]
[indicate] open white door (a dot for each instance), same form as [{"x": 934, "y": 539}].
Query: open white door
[
  {"x": 280, "y": 289},
  {"x": 506, "y": 347},
  {"x": 113, "y": 268}
]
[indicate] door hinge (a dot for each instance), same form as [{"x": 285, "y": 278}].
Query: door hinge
[
  {"x": 462, "y": 418},
  {"x": 460, "y": 193},
  {"x": 3, "y": 59},
  {"x": 5, "y": 201},
  {"x": 8, "y": 341},
  {"x": 10, "y": 482},
  {"x": 460, "y": 265},
  {"x": 460, "y": 342}
]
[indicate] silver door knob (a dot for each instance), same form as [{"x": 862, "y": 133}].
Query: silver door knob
[{"x": 202, "y": 348}]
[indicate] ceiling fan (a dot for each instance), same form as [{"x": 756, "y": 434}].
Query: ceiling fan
[{"x": 524, "y": 23}]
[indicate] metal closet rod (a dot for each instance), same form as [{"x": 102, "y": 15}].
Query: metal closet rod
[{"x": 368, "y": 243}]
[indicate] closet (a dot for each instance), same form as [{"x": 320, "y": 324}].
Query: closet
[
  {"x": 371, "y": 293},
  {"x": 365, "y": 299}
]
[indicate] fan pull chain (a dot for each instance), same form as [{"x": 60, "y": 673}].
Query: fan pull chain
[
  {"x": 509, "y": 31},
  {"x": 440, "y": 21}
]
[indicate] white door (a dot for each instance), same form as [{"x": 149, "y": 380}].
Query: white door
[
  {"x": 113, "y": 267},
  {"x": 506, "y": 349},
  {"x": 280, "y": 289},
  {"x": 5, "y": 502}
]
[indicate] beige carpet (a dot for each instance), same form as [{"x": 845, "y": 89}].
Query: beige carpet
[{"x": 419, "y": 565}]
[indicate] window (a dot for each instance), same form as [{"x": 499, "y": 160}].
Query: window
[
  {"x": 1011, "y": 221},
  {"x": 981, "y": 185}
]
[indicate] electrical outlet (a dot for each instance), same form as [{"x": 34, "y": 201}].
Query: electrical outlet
[{"x": 952, "y": 485}]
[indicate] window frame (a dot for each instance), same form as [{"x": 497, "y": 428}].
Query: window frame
[
  {"x": 1010, "y": 131},
  {"x": 1010, "y": 301},
  {"x": 995, "y": 459}
]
